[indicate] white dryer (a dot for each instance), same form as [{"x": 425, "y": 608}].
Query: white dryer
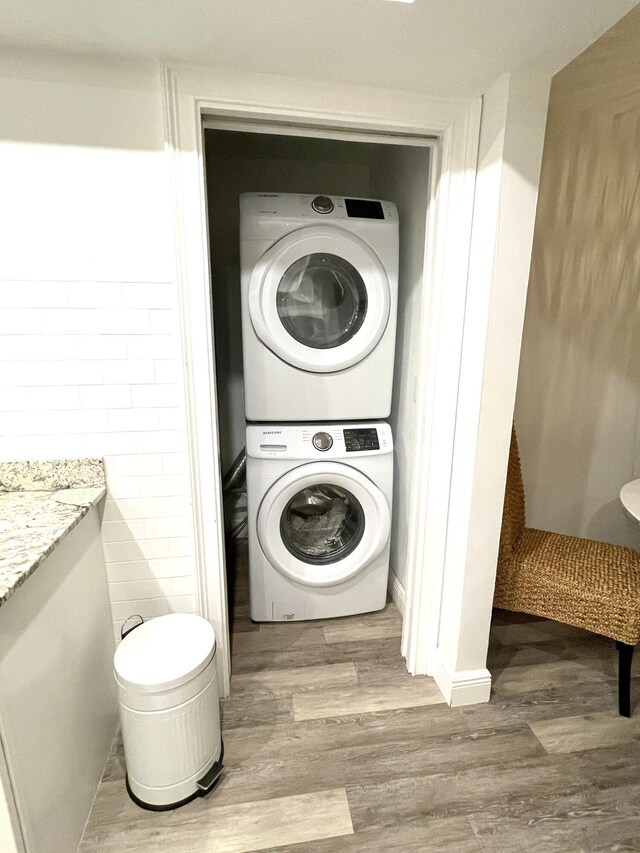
[
  {"x": 319, "y": 287},
  {"x": 319, "y": 504}
]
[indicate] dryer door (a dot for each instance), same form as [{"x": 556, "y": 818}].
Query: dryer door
[
  {"x": 322, "y": 523},
  {"x": 319, "y": 298}
]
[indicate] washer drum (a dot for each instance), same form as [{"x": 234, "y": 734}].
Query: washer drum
[{"x": 169, "y": 710}]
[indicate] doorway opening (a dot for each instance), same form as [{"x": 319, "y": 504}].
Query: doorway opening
[{"x": 271, "y": 158}]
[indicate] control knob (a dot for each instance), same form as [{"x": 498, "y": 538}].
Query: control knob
[
  {"x": 322, "y": 441},
  {"x": 322, "y": 204}
]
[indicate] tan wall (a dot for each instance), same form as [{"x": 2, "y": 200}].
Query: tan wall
[{"x": 578, "y": 402}]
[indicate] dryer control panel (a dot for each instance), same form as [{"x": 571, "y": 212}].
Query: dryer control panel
[
  {"x": 308, "y": 209},
  {"x": 316, "y": 441}
]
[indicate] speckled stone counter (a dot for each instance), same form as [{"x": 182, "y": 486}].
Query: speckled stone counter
[{"x": 40, "y": 502}]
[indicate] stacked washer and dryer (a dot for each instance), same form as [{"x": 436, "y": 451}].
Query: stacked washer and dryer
[{"x": 319, "y": 282}]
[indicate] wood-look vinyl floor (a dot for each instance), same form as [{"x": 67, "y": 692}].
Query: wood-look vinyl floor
[{"x": 331, "y": 746}]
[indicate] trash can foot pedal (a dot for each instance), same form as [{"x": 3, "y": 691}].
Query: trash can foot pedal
[{"x": 210, "y": 777}]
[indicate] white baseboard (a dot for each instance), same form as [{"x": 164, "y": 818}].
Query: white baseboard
[
  {"x": 466, "y": 687},
  {"x": 397, "y": 592}
]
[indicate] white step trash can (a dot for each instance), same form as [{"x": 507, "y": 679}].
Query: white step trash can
[{"x": 165, "y": 670}]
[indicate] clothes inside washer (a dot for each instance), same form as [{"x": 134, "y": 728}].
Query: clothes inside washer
[{"x": 322, "y": 522}]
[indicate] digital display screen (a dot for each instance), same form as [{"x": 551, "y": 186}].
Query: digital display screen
[
  {"x": 362, "y": 208},
  {"x": 361, "y": 439}
]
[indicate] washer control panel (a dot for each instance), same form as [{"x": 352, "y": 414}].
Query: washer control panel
[{"x": 315, "y": 441}]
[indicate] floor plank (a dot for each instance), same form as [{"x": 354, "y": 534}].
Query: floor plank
[
  {"x": 451, "y": 835},
  {"x": 259, "y": 825},
  {"x": 550, "y": 825},
  {"x": 545, "y": 676},
  {"x": 366, "y": 699},
  {"x": 287, "y": 682},
  {"x": 589, "y": 731}
]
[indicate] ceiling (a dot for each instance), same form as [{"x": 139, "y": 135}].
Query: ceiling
[{"x": 436, "y": 46}]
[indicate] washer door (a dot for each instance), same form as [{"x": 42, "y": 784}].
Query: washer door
[
  {"x": 319, "y": 298},
  {"x": 322, "y": 523}
]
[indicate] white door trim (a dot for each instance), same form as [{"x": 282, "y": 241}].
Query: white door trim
[{"x": 193, "y": 92}]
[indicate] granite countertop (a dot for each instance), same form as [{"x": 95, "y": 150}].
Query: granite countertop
[{"x": 40, "y": 502}]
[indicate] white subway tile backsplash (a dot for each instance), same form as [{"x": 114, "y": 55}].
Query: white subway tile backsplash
[
  {"x": 75, "y": 372},
  {"x": 103, "y": 347},
  {"x": 151, "y": 346},
  {"x": 53, "y": 423},
  {"x": 136, "y": 295},
  {"x": 122, "y": 531},
  {"x": 183, "y": 586},
  {"x": 168, "y": 371},
  {"x": 178, "y": 505},
  {"x": 26, "y": 372},
  {"x": 105, "y": 397},
  {"x": 95, "y": 321},
  {"x": 32, "y": 294},
  {"x": 150, "y": 607},
  {"x": 123, "y": 487},
  {"x": 170, "y": 526},
  {"x": 101, "y": 445},
  {"x": 95, "y": 369},
  {"x": 128, "y": 372},
  {"x": 18, "y": 447},
  {"x": 130, "y": 509},
  {"x": 163, "y": 322},
  {"x": 134, "y": 420},
  {"x": 174, "y": 463},
  {"x": 35, "y": 347},
  {"x": 155, "y": 396},
  {"x": 172, "y": 418},
  {"x": 94, "y": 294},
  {"x": 13, "y": 398},
  {"x": 180, "y": 546},
  {"x": 52, "y": 398},
  {"x": 163, "y": 441},
  {"x": 132, "y": 590},
  {"x": 162, "y": 486},
  {"x": 140, "y": 549},
  {"x": 166, "y": 567},
  {"x": 18, "y": 321},
  {"x": 135, "y": 465}
]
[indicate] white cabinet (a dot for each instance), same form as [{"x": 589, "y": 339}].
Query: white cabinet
[{"x": 58, "y": 712}]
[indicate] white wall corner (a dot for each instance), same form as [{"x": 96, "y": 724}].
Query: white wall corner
[
  {"x": 397, "y": 592},
  {"x": 462, "y": 687},
  {"x": 511, "y": 141}
]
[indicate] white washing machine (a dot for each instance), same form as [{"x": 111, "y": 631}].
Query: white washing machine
[
  {"x": 319, "y": 503},
  {"x": 319, "y": 287}
]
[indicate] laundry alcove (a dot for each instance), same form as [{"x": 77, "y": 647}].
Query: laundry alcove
[{"x": 273, "y": 159}]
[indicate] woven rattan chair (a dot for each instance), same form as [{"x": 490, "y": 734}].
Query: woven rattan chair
[{"x": 580, "y": 582}]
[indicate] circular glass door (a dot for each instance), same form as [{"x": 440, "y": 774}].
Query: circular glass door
[
  {"x": 322, "y": 524},
  {"x": 319, "y": 299},
  {"x": 322, "y": 300}
]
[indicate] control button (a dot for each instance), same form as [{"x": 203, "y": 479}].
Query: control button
[
  {"x": 322, "y": 204},
  {"x": 322, "y": 441}
]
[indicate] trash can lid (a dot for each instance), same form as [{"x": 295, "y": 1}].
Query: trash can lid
[{"x": 165, "y": 652}]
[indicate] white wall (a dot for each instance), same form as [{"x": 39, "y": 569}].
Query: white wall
[
  {"x": 578, "y": 403},
  {"x": 402, "y": 175},
  {"x": 90, "y": 347},
  {"x": 509, "y": 160}
]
